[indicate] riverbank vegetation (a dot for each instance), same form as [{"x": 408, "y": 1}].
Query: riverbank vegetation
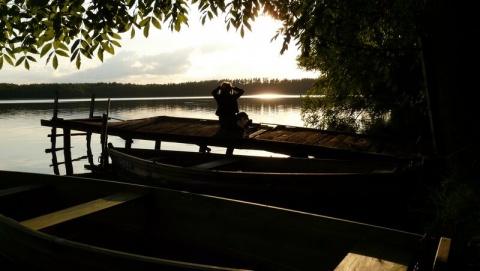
[{"x": 254, "y": 86}]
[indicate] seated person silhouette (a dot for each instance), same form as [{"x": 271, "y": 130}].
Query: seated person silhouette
[{"x": 227, "y": 111}]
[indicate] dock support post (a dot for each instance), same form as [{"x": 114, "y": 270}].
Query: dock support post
[
  {"x": 128, "y": 143},
  {"x": 67, "y": 151},
  {"x": 158, "y": 144},
  {"x": 89, "y": 134},
  {"x": 53, "y": 138},
  {"x": 104, "y": 138}
]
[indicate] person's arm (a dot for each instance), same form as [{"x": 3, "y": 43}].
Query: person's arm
[
  {"x": 216, "y": 91},
  {"x": 237, "y": 92}
]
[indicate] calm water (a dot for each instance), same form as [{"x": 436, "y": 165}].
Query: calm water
[{"x": 23, "y": 140}]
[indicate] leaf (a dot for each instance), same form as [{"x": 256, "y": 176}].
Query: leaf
[
  {"x": 116, "y": 43},
  {"x": 27, "y": 65},
  {"x": 177, "y": 26},
  {"x": 144, "y": 22},
  {"x": 61, "y": 53},
  {"x": 156, "y": 23},
  {"x": 1, "y": 62},
  {"x": 17, "y": 50},
  {"x": 247, "y": 25},
  {"x": 74, "y": 55},
  {"x": 100, "y": 54},
  {"x": 49, "y": 33},
  {"x": 75, "y": 45},
  {"x": 8, "y": 59},
  {"x": 46, "y": 48},
  {"x": 62, "y": 46},
  {"x": 55, "y": 62},
  {"x": 132, "y": 33},
  {"x": 109, "y": 49},
  {"x": 33, "y": 50},
  {"x": 56, "y": 44},
  {"x": 145, "y": 30},
  {"x": 85, "y": 44},
  {"x": 78, "y": 63},
  {"x": 85, "y": 34},
  {"x": 20, "y": 61},
  {"x": 114, "y": 35}
]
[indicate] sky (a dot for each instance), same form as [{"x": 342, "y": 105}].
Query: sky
[{"x": 196, "y": 53}]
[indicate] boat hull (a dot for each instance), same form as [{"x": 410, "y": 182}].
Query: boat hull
[
  {"x": 162, "y": 229},
  {"x": 378, "y": 193}
]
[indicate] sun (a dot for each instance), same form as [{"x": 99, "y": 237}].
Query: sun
[{"x": 268, "y": 96}]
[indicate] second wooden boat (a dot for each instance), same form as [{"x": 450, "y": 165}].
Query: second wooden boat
[{"x": 377, "y": 192}]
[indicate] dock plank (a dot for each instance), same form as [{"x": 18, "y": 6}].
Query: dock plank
[
  {"x": 335, "y": 141},
  {"x": 280, "y": 138}
]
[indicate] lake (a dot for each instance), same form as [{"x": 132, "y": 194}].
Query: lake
[{"x": 23, "y": 140}]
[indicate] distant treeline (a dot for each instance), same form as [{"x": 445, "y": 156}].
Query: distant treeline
[{"x": 117, "y": 90}]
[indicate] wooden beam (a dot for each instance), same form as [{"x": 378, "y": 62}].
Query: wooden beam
[
  {"x": 368, "y": 256},
  {"x": 441, "y": 256},
  {"x": 77, "y": 211}
]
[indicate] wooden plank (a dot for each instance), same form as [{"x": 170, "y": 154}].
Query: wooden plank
[
  {"x": 349, "y": 143},
  {"x": 334, "y": 142},
  {"x": 257, "y": 133},
  {"x": 363, "y": 143},
  {"x": 324, "y": 141},
  {"x": 286, "y": 136},
  {"x": 80, "y": 210},
  {"x": 271, "y": 135},
  {"x": 441, "y": 257},
  {"x": 216, "y": 163},
  {"x": 368, "y": 256},
  {"x": 166, "y": 126},
  {"x": 298, "y": 137},
  {"x": 314, "y": 137}
]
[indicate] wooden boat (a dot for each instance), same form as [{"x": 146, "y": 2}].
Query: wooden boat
[
  {"x": 51, "y": 222},
  {"x": 377, "y": 192}
]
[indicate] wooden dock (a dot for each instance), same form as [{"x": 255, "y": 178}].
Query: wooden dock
[{"x": 288, "y": 140}]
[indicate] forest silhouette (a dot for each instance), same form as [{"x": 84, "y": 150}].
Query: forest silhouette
[{"x": 119, "y": 90}]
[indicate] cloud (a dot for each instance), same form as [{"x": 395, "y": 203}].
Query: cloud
[{"x": 129, "y": 64}]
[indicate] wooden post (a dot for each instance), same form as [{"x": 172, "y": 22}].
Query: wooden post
[
  {"x": 67, "y": 151},
  {"x": 89, "y": 134},
  {"x": 158, "y": 144},
  {"x": 53, "y": 138},
  {"x": 128, "y": 143},
  {"x": 104, "y": 138}
]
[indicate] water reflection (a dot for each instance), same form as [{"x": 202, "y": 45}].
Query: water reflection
[{"x": 23, "y": 140}]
